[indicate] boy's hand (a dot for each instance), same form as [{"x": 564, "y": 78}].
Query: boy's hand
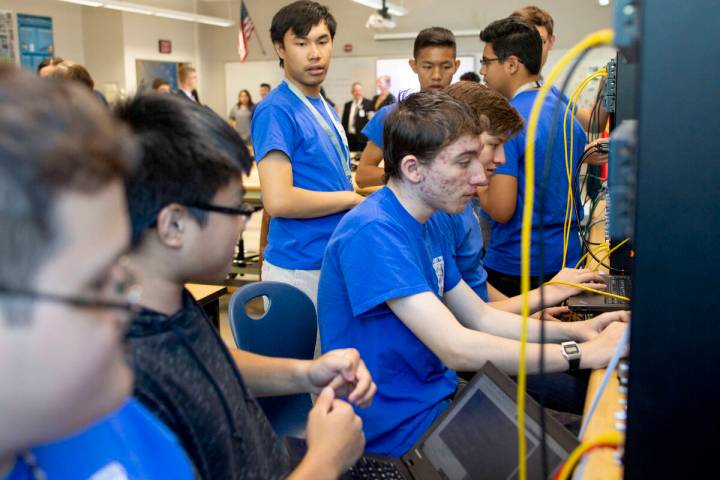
[
  {"x": 345, "y": 373},
  {"x": 579, "y": 276},
  {"x": 334, "y": 434}
]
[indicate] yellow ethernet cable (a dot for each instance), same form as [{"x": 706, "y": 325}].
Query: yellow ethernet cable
[{"x": 602, "y": 37}]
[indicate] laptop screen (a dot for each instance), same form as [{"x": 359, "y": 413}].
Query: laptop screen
[{"x": 478, "y": 437}]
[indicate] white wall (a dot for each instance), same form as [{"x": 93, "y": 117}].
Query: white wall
[
  {"x": 67, "y": 24},
  {"x": 573, "y": 20},
  {"x": 141, "y": 34},
  {"x": 104, "y": 49}
]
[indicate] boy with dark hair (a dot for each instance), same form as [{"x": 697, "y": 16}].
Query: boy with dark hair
[
  {"x": 187, "y": 212},
  {"x": 301, "y": 150},
  {"x": 434, "y": 61},
  {"x": 511, "y": 66},
  {"x": 390, "y": 288},
  {"x": 545, "y": 26},
  {"x": 65, "y": 294}
]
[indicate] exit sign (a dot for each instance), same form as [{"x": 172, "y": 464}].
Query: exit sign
[{"x": 165, "y": 46}]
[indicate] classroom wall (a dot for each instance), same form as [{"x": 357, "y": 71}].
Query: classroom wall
[
  {"x": 573, "y": 19},
  {"x": 104, "y": 49},
  {"x": 67, "y": 24}
]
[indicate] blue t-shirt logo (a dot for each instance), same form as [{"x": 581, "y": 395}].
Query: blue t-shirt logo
[{"x": 439, "y": 266}]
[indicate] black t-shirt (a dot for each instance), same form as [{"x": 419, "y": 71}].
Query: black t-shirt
[{"x": 186, "y": 376}]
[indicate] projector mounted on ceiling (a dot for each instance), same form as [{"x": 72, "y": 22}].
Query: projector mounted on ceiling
[{"x": 382, "y": 20}]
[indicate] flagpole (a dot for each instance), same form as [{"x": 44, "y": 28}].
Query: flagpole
[{"x": 262, "y": 48}]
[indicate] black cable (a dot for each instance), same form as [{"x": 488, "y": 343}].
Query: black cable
[{"x": 541, "y": 277}]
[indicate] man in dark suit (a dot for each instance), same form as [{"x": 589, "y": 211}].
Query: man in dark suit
[
  {"x": 354, "y": 118},
  {"x": 187, "y": 84}
]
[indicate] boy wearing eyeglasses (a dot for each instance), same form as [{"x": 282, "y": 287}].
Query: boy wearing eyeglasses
[
  {"x": 65, "y": 296},
  {"x": 187, "y": 212}
]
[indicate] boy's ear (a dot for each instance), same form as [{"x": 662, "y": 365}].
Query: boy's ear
[
  {"x": 512, "y": 65},
  {"x": 411, "y": 168},
  {"x": 413, "y": 65},
  {"x": 279, "y": 50},
  {"x": 171, "y": 223}
]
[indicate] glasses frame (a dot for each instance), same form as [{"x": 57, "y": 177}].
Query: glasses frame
[
  {"x": 132, "y": 305},
  {"x": 245, "y": 210},
  {"x": 484, "y": 61}
]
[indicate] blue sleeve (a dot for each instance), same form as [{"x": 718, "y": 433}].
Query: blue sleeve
[
  {"x": 271, "y": 129},
  {"x": 378, "y": 264},
  {"x": 514, "y": 153},
  {"x": 374, "y": 128}
]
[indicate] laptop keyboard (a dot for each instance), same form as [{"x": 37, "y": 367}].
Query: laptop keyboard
[
  {"x": 369, "y": 468},
  {"x": 619, "y": 286}
]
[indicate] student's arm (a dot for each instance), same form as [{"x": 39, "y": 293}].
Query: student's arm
[
  {"x": 495, "y": 295},
  {"x": 282, "y": 199},
  {"x": 499, "y": 198},
  {"x": 553, "y": 294},
  {"x": 584, "y": 116},
  {"x": 342, "y": 370},
  {"x": 368, "y": 173},
  {"x": 465, "y": 348},
  {"x": 334, "y": 438}
]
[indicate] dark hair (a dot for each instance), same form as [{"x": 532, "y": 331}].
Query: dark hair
[
  {"x": 54, "y": 138},
  {"x": 493, "y": 112},
  {"x": 266, "y": 85},
  {"x": 434, "y": 37},
  {"x": 299, "y": 17},
  {"x": 422, "y": 125},
  {"x": 189, "y": 153},
  {"x": 470, "y": 77},
  {"x": 159, "y": 82},
  {"x": 537, "y": 16},
  {"x": 49, "y": 61},
  {"x": 250, "y": 102},
  {"x": 513, "y": 36}
]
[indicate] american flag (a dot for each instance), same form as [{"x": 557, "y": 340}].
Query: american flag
[{"x": 245, "y": 31}]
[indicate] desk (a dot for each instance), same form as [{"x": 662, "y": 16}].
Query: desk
[
  {"x": 600, "y": 464},
  {"x": 208, "y": 296},
  {"x": 251, "y": 183}
]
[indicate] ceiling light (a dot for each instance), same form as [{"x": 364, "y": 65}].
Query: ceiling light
[
  {"x": 378, "y": 4},
  {"x": 129, "y": 7},
  {"x": 87, "y": 3}
]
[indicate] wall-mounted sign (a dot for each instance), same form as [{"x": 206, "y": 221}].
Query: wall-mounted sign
[{"x": 164, "y": 46}]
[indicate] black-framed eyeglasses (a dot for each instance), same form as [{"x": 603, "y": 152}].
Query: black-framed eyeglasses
[
  {"x": 124, "y": 286},
  {"x": 486, "y": 60},
  {"x": 245, "y": 210},
  {"x": 132, "y": 305}
]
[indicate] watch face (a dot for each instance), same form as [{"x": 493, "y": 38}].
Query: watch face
[{"x": 571, "y": 349}]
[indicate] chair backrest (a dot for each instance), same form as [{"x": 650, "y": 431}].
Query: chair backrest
[{"x": 287, "y": 329}]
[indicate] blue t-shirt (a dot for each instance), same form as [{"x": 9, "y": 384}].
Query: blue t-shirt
[
  {"x": 128, "y": 444},
  {"x": 282, "y": 122},
  {"x": 379, "y": 252},
  {"x": 503, "y": 250},
  {"x": 463, "y": 230},
  {"x": 374, "y": 128}
]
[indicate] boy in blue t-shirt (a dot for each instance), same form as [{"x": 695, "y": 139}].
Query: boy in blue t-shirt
[
  {"x": 511, "y": 66},
  {"x": 434, "y": 62},
  {"x": 301, "y": 150},
  {"x": 65, "y": 294},
  {"x": 390, "y": 288}
]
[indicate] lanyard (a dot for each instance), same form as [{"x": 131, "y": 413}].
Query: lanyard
[
  {"x": 526, "y": 87},
  {"x": 344, "y": 151}
]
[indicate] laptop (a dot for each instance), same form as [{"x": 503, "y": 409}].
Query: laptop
[
  {"x": 589, "y": 302},
  {"x": 476, "y": 437}
]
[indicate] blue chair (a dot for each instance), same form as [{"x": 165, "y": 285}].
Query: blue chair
[{"x": 287, "y": 329}]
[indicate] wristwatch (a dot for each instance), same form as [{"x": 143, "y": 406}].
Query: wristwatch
[{"x": 571, "y": 352}]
